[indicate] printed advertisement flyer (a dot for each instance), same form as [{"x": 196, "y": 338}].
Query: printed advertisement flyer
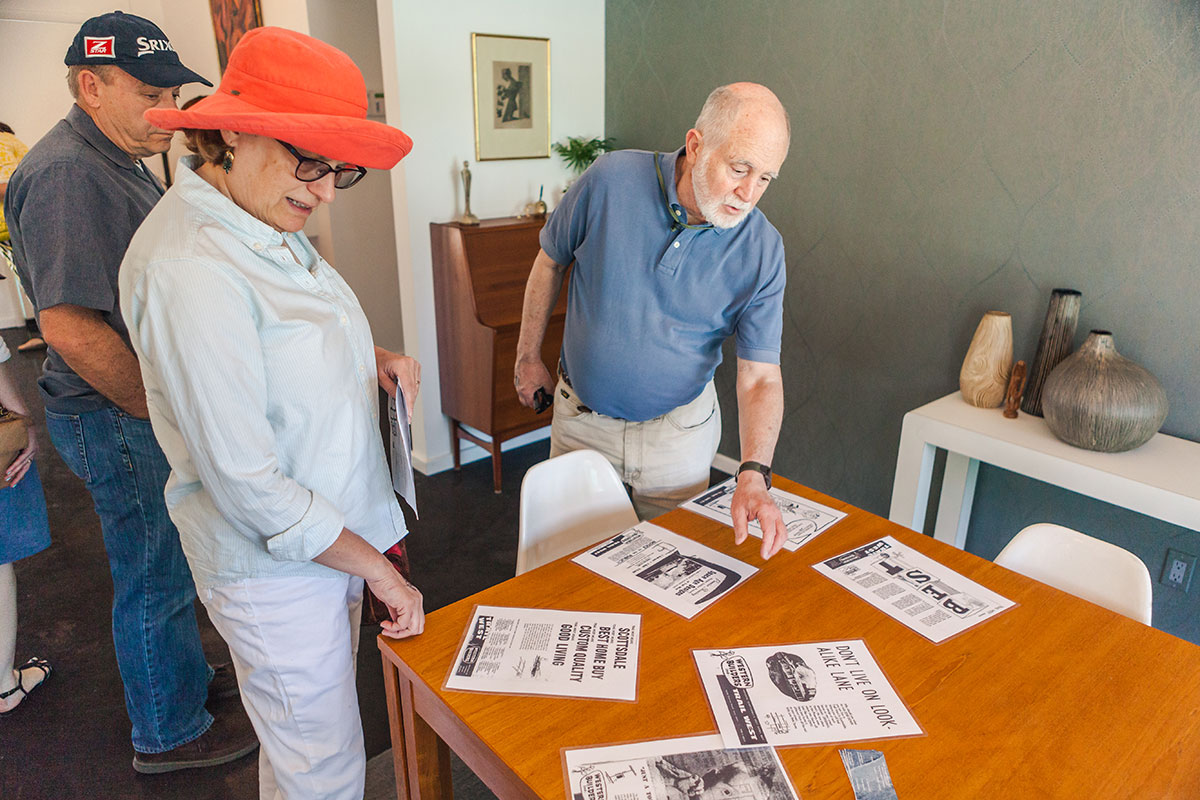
[
  {"x": 814, "y": 693},
  {"x": 804, "y": 519},
  {"x": 690, "y": 768},
  {"x": 545, "y": 651},
  {"x": 672, "y": 570},
  {"x": 912, "y": 588}
]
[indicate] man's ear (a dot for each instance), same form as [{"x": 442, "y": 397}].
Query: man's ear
[
  {"x": 88, "y": 84},
  {"x": 692, "y": 144}
]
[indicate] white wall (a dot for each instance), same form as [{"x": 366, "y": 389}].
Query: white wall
[{"x": 427, "y": 77}]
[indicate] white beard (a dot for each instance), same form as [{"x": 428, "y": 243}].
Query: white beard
[{"x": 713, "y": 207}]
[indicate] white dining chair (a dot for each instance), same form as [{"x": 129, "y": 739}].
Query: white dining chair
[
  {"x": 1087, "y": 567},
  {"x": 567, "y": 503}
]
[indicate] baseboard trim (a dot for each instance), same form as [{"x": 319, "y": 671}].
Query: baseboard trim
[
  {"x": 427, "y": 465},
  {"x": 726, "y": 464}
]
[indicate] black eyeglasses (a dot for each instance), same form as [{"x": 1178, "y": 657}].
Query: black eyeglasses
[{"x": 313, "y": 169}]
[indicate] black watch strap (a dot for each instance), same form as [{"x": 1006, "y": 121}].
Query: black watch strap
[{"x": 757, "y": 467}]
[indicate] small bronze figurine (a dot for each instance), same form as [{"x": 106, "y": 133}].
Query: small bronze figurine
[
  {"x": 1016, "y": 388},
  {"x": 467, "y": 217}
]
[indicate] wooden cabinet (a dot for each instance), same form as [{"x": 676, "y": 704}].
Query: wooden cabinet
[{"x": 479, "y": 275}]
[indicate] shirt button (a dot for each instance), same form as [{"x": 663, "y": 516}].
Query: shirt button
[
  {"x": 343, "y": 319},
  {"x": 675, "y": 245}
]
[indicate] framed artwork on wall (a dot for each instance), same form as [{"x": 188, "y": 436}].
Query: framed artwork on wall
[
  {"x": 511, "y": 79},
  {"x": 231, "y": 19}
]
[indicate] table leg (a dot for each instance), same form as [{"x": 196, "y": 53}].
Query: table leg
[
  {"x": 391, "y": 690},
  {"x": 958, "y": 495},
  {"x": 914, "y": 472},
  {"x": 427, "y": 756},
  {"x": 455, "y": 444}
]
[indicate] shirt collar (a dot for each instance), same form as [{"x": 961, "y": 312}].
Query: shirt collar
[
  {"x": 667, "y": 162},
  {"x": 85, "y": 126},
  {"x": 198, "y": 192}
]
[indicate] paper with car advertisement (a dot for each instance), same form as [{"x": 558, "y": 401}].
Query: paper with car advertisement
[
  {"x": 402, "y": 468},
  {"x": 813, "y": 693},
  {"x": 546, "y": 651},
  {"x": 689, "y": 768},
  {"x": 672, "y": 570},
  {"x": 912, "y": 588},
  {"x": 802, "y": 518}
]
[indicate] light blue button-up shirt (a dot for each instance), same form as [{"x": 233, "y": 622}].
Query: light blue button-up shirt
[{"x": 261, "y": 382}]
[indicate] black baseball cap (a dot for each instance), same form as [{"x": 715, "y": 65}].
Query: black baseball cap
[{"x": 132, "y": 43}]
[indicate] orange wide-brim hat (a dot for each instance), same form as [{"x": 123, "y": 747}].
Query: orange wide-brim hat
[{"x": 298, "y": 89}]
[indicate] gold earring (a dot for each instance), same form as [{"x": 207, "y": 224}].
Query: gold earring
[{"x": 227, "y": 161}]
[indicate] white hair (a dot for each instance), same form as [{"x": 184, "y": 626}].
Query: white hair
[{"x": 721, "y": 110}]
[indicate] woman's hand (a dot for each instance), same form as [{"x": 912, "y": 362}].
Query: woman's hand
[
  {"x": 403, "y": 601},
  {"x": 20, "y": 465},
  {"x": 394, "y": 368}
]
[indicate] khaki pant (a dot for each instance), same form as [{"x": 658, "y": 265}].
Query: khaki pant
[{"x": 664, "y": 460}]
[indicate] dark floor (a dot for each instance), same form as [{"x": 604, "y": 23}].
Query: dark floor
[{"x": 72, "y": 739}]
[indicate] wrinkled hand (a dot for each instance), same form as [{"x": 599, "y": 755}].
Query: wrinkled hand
[
  {"x": 752, "y": 501},
  {"x": 20, "y": 465},
  {"x": 528, "y": 377},
  {"x": 403, "y": 601},
  {"x": 405, "y": 371}
]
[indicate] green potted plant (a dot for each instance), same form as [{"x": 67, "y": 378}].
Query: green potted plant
[{"x": 579, "y": 153}]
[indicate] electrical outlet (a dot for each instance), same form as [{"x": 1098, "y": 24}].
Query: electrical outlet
[{"x": 1178, "y": 569}]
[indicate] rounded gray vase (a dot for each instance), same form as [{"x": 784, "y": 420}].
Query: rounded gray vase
[{"x": 1099, "y": 400}]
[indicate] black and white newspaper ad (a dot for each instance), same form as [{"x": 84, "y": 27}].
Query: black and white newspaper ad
[
  {"x": 912, "y": 588},
  {"x": 546, "y": 651},
  {"x": 689, "y": 768},
  {"x": 813, "y": 693},
  {"x": 804, "y": 519},
  {"x": 672, "y": 570},
  {"x": 402, "y": 468}
]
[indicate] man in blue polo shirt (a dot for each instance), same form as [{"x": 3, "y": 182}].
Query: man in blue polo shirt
[
  {"x": 671, "y": 258},
  {"x": 72, "y": 206}
]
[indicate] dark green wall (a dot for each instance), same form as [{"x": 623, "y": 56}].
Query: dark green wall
[{"x": 949, "y": 158}]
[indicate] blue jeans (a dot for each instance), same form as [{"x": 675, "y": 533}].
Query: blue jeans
[{"x": 154, "y": 622}]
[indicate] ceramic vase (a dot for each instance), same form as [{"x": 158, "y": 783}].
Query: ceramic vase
[
  {"x": 1058, "y": 333},
  {"x": 1099, "y": 400},
  {"x": 983, "y": 379}
]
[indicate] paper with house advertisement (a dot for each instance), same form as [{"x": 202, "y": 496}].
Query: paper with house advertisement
[
  {"x": 813, "y": 693},
  {"x": 545, "y": 651},
  {"x": 676, "y": 769},
  {"x": 912, "y": 588},
  {"x": 802, "y": 518},
  {"x": 672, "y": 570},
  {"x": 402, "y": 468}
]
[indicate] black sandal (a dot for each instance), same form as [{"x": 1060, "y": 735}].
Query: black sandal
[{"x": 33, "y": 663}]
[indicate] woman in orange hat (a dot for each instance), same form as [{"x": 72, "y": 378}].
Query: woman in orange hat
[{"x": 261, "y": 379}]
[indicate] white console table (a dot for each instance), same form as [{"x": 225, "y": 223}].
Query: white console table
[{"x": 1160, "y": 479}]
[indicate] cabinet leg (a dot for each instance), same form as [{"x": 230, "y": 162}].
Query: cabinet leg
[
  {"x": 455, "y": 445},
  {"x": 495, "y": 466}
]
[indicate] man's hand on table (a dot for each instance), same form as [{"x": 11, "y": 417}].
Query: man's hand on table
[{"x": 752, "y": 501}]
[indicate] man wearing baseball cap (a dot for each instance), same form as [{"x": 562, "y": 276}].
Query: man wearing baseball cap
[{"x": 72, "y": 206}]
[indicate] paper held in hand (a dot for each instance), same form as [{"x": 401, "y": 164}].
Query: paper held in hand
[
  {"x": 402, "y": 468},
  {"x": 803, "y": 519},
  {"x": 545, "y": 651},
  {"x": 672, "y": 570},
  {"x": 813, "y": 693},
  {"x": 696, "y": 767},
  {"x": 909, "y": 586}
]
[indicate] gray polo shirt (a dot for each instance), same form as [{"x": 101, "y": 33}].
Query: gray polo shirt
[{"x": 72, "y": 206}]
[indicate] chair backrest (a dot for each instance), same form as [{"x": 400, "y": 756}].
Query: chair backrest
[
  {"x": 1086, "y": 567},
  {"x": 567, "y": 503}
]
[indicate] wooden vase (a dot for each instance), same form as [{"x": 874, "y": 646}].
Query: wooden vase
[
  {"x": 983, "y": 378},
  {"x": 1058, "y": 334},
  {"x": 1099, "y": 400}
]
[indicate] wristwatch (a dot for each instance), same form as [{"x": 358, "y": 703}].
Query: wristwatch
[{"x": 757, "y": 467}]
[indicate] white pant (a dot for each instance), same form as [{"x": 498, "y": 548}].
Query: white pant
[
  {"x": 293, "y": 642},
  {"x": 664, "y": 460}
]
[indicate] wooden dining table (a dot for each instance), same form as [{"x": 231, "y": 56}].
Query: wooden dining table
[{"x": 1055, "y": 697}]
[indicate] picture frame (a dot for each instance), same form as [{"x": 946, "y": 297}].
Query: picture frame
[
  {"x": 510, "y": 78},
  {"x": 231, "y": 19}
]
